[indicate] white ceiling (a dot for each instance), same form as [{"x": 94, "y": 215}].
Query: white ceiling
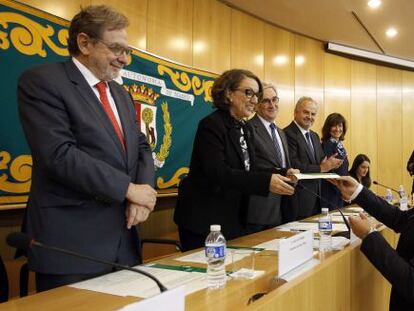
[{"x": 332, "y": 20}]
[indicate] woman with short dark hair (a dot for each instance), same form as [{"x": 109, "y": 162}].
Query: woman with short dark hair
[
  {"x": 222, "y": 170},
  {"x": 333, "y": 134}
]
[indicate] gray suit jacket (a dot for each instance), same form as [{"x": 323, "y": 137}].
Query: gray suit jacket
[
  {"x": 266, "y": 210},
  {"x": 80, "y": 170}
]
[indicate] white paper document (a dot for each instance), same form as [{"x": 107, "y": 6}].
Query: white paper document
[
  {"x": 301, "y": 176},
  {"x": 272, "y": 245},
  {"x": 200, "y": 257},
  {"x": 338, "y": 243},
  {"x": 338, "y": 217},
  {"x": 252, "y": 274},
  {"x": 128, "y": 283},
  {"x": 355, "y": 209},
  {"x": 297, "y": 226}
]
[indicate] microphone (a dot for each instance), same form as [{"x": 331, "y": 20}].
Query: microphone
[
  {"x": 384, "y": 186},
  {"x": 22, "y": 241},
  {"x": 345, "y": 234}
]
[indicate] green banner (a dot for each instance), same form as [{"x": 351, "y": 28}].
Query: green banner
[{"x": 170, "y": 99}]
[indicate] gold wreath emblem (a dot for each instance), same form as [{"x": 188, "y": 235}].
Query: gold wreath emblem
[{"x": 166, "y": 141}]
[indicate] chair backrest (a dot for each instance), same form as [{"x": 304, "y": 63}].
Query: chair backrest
[{"x": 4, "y": 282}]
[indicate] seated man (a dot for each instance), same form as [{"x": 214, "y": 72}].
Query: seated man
[{"x": 395, "y": 265}]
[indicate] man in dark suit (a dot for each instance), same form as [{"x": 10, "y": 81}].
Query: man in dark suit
[
  {"x": 306, "y": 154},
  {"x": 395, "y": 265},
  {"x": 272, "y": 152},
  {"x": 92, "y": 167}
]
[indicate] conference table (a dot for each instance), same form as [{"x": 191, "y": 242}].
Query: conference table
[{"x": 343, "y": 280}]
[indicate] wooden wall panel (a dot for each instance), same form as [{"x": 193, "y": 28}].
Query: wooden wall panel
[
  {"x": 338, "y": 90},
  {"x": 64, "y": 10},
  {"x": 159, "y": 225},
  {"x": 211, "y": 36},
  {"x": 279, "y": 52},
  {"x": 407, "y": 125},
  {"x": 136, "y": 11},
  {"x": 389, "y": 138},
  {"x": 309, "y": 74},
  {"x": 170, "y": 29},
  {"x": 363, "y": 122},
  {"x": 247, "y": 43}
]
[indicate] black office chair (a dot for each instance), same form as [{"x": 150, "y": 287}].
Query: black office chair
[
  {"x": 163, "y": 241},
  {"x": 24, "y": 269},
  {"x": 4, "y": 282},
  {"x": 24, "y": 280}
]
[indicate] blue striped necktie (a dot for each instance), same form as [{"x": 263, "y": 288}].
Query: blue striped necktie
[
  {"x": 310, "y": 146},
  {"x": 279, "y": 157}
]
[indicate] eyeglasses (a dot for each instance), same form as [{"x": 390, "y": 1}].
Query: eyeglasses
[
  {"x": 116, "y": 49},
  {"x": 273, "y": 100},
  {"x": 249, "y": 93}
]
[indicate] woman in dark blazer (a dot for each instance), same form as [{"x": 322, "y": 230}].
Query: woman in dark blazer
[
  {"x": 333, "y": 134},
  {"x": 222, "y": 169}
]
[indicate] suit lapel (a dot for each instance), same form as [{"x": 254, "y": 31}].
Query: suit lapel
[
  {"x": 304, "y": 143},
  {"x": 262, "y": 132},
  {"x": 285, "y": 146},
  {"x": 93, "y": 102},
  {"x": 268, "y": 142},
  {"x": 316, "y": 143},
  {"x": 125, "y": 117}
]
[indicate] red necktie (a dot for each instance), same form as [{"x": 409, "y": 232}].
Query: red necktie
[{"x": 101, "y": 86}]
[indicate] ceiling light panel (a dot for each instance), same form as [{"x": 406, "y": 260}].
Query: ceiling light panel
[{"x": 374, "y": 4}]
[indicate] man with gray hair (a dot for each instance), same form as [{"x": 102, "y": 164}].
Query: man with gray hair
[
  {"x": 306, "y": 154},
  {"x": 272, "y": 153}
]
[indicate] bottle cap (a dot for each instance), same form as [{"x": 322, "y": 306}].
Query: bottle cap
[{"x": 215, "y": 228}]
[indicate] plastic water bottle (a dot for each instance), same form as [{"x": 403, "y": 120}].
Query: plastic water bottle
[
  {"x": 403, "y": 199},
  {"x": 388, "y": 196},
  {"x": 216, "y": 254},
  {"x": 325, "y": 231}
]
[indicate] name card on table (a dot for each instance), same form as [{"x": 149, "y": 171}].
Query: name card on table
[
  {"x": 170, "y": 300},
  {"x": 294, "y": 251}
]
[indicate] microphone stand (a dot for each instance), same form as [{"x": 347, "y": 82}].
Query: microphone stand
[
  {"x": 345, "y": 234},
  {"x": 384, "y": 186},
  {"x": 122, "y": 267}
]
